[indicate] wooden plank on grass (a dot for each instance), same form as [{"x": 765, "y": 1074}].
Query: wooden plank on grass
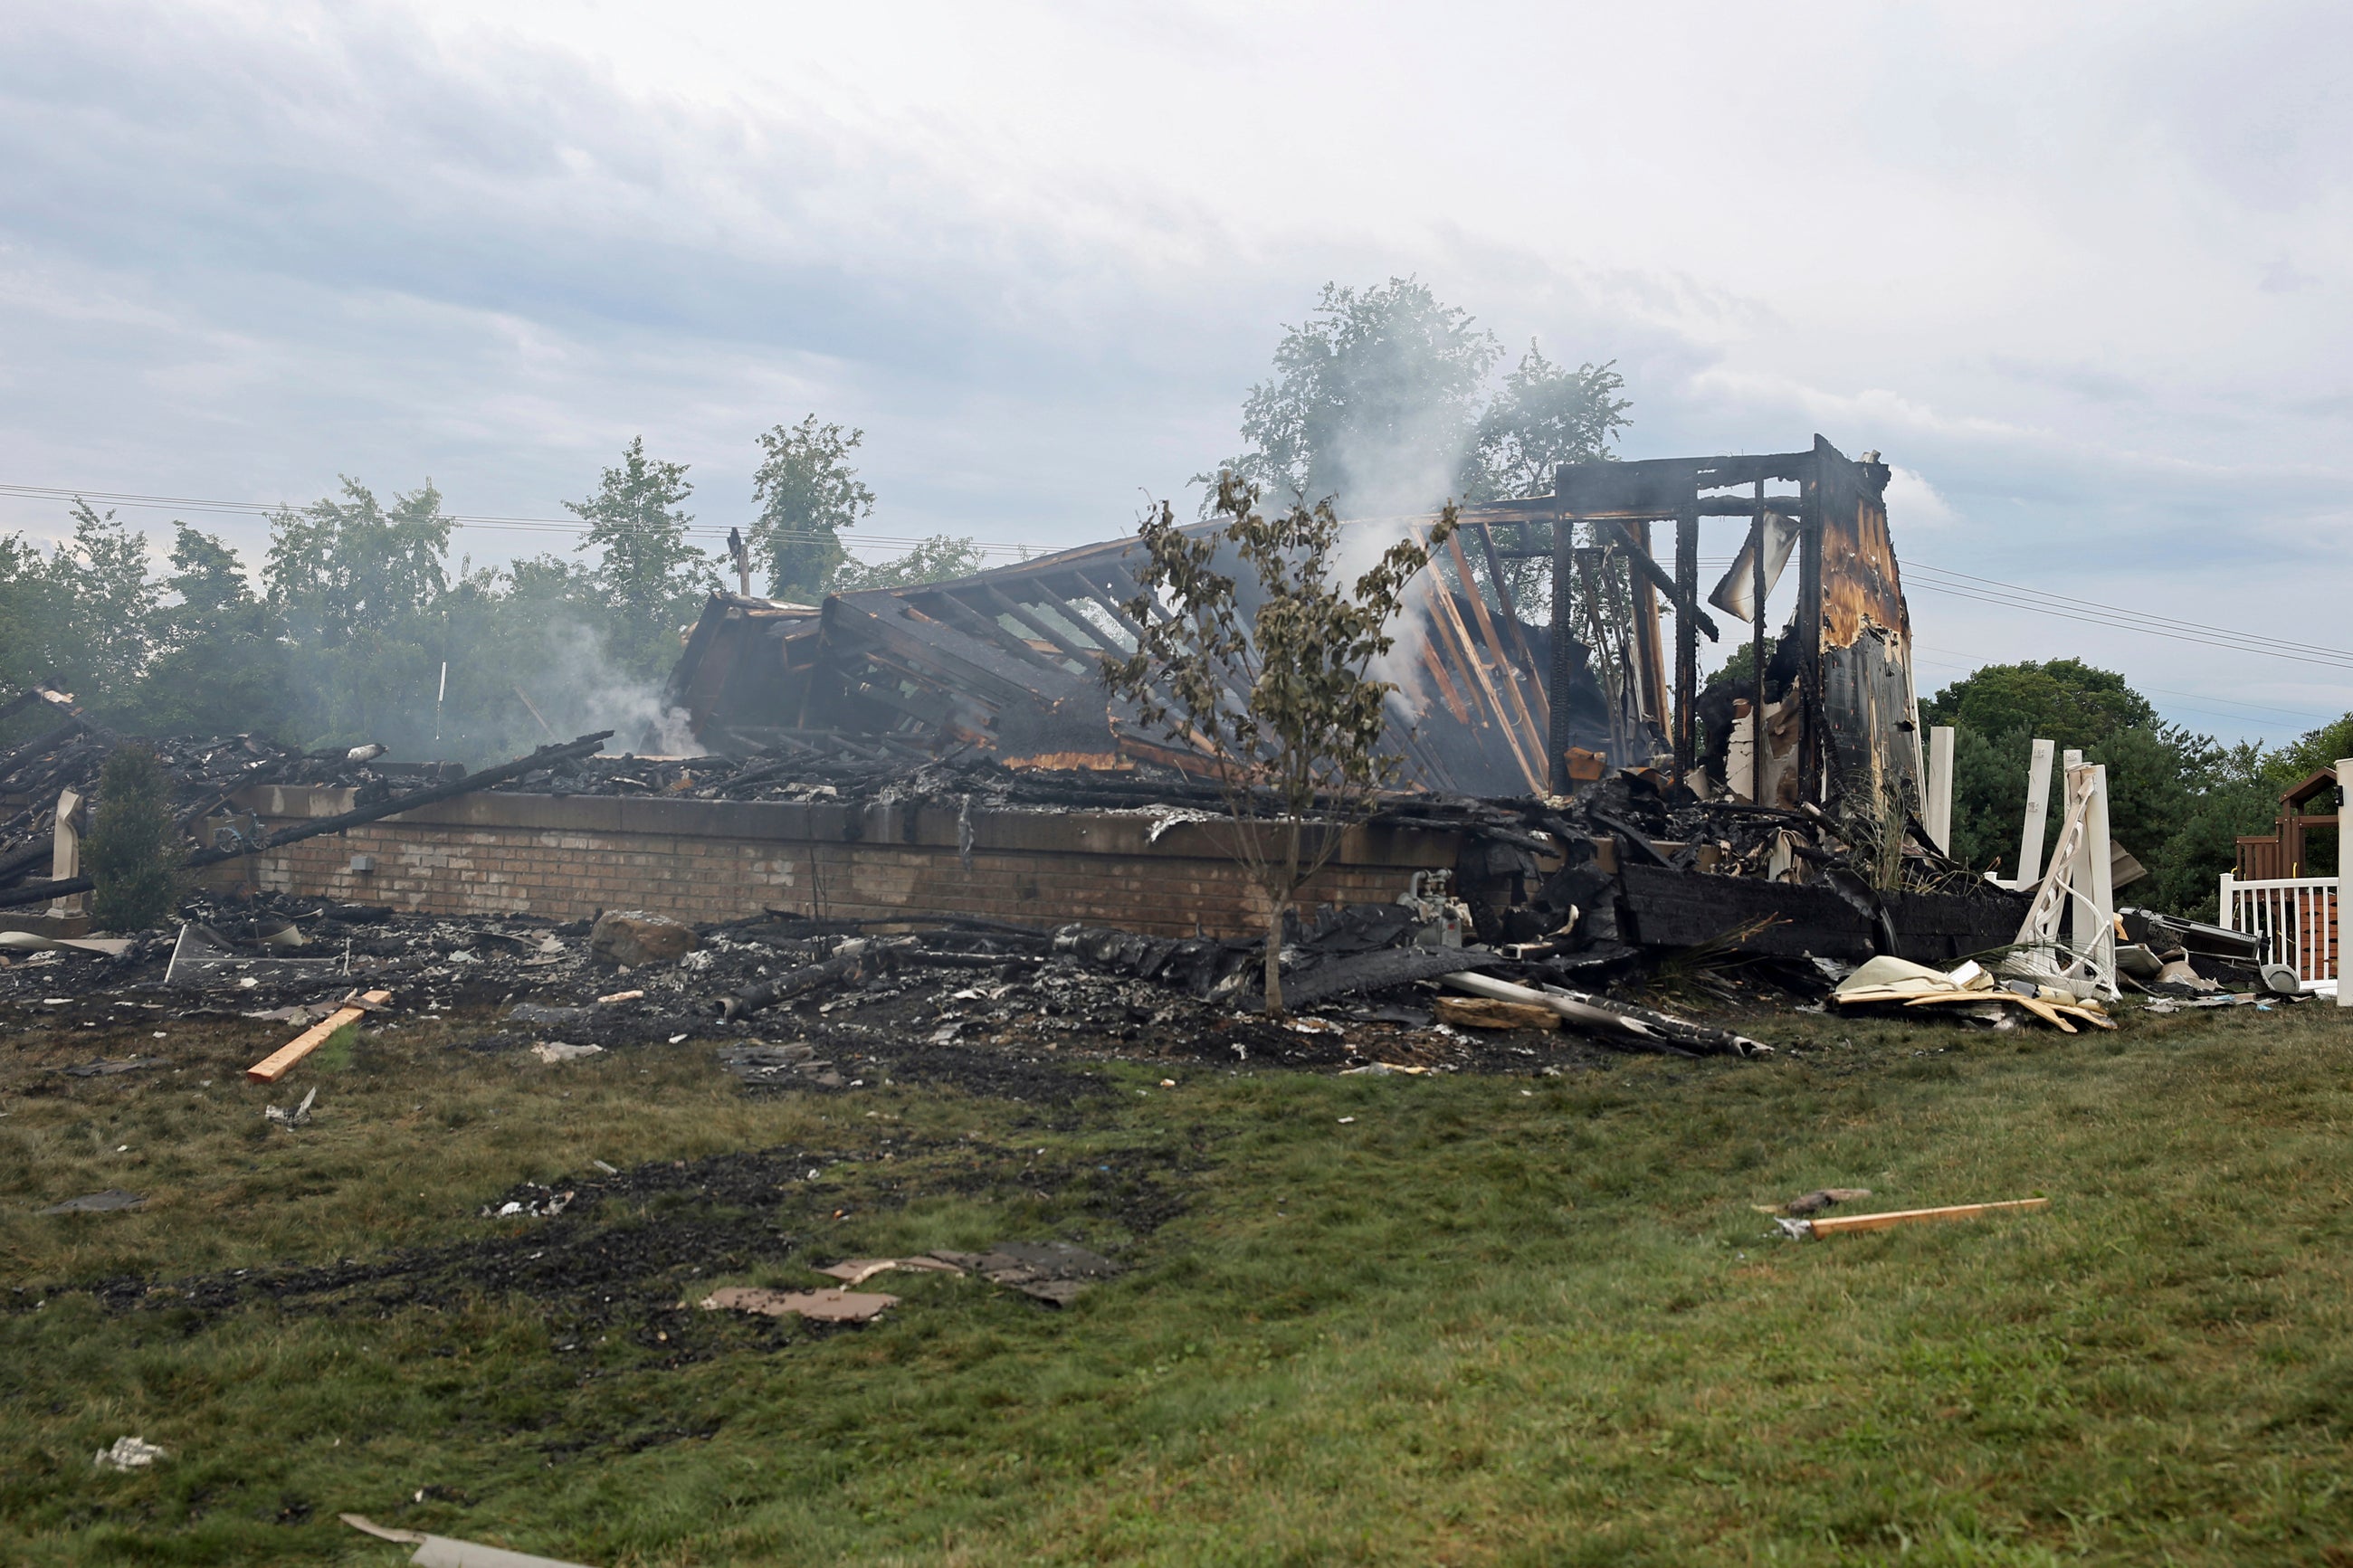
[
  {"x": 277, "y": 1063},
  {"x": 1829, "y": 1226},
  {"x": 2046, "y": 1012}
]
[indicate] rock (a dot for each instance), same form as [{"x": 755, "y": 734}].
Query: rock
[{"x": 632, "y": 937}]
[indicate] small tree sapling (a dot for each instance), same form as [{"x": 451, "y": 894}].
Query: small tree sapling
[{"x": 1281, "y": 699}]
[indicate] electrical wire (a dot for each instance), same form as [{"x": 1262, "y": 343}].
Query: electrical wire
[
  {"x": 573, "y": 526},
  {"x": 1923, "y": 575}
]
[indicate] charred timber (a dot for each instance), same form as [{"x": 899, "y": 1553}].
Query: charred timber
[
  {"x": 545, "y": 757},
  {"x": 859, "y": 959}
]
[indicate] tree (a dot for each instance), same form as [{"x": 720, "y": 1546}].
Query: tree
[
  {"x": 1271, "y": 677},
  {"x": 219, "y": 664},
  {"x": 653, "y": 577},
  {"x": 2065, "y": 701},
  {"x": 2316, "y": 749},
  {"x": 2175, "y": 800},
  {"x": 807, "y": 494},
  {"x": 345, "y": 571},
  {"x": 356, "y": 586},
  {"x": 1374, "y": 405},
  {"x": 103, "y": 598},
  {"x": 134, "y": 853},
  {"x": 936, "y": 560},
  {"x": 1543, "y": 416}
]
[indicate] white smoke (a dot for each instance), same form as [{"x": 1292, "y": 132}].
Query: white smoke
[{"x": 578, "y": 689}]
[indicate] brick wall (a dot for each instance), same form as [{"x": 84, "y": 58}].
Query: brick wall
[{"x": 568, "y": 857}]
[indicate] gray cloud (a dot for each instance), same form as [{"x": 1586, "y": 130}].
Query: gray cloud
[{"x": 2033, "y": 256}]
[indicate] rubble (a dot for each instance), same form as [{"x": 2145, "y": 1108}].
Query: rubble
[
  {"x": 1891, "y": 982},
  {"x": 1054, "y": 1272},
  {"x": 129, "y": 1454}
]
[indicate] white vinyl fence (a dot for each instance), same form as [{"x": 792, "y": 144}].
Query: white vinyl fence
[{"x": 2295, "y": 915}]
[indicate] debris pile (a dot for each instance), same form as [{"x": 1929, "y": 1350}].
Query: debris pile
[{"x": 1893, "y": 984}]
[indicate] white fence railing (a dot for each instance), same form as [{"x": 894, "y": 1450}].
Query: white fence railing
[{"x": 2295, "y": 915}]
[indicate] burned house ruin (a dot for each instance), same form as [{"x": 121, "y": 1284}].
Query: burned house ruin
[
  {"x": 1531, "y": 655},
  {"x": 949, "y": 750}
]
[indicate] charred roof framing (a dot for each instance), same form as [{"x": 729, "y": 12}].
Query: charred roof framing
[{"x": 1494, "y": 692}]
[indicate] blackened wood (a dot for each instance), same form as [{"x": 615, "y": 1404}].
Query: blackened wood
[
  {"x": 35, "y": 892},
  {"x": 1686, "y": 642},
  {"x": 545, "y": 757}
]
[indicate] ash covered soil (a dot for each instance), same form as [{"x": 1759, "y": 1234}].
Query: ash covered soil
[
  {"x": 996, "y": 1013},
  {"x": 1035, "y": 1045}
]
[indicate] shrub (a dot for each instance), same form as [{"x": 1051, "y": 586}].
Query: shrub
[{"x": 133, "y": 856}]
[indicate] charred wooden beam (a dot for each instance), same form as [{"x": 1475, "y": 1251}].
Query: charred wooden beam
[
  {"x": 545, "y": 757},
  {"x": 1686, "y": 641},
  {"x": 1636, "y": 537},
  {"x": 1527, "y": 659},
  {"x": 1006, "y": 604},
  {"x": 1563, "y": 549}
]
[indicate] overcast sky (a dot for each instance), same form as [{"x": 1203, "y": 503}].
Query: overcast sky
[{"x": 2079, "y": 272}]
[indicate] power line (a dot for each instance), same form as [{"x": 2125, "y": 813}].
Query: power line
[
  {"x": 575, "y": 526},
  {"x": 2188, "y": 705},
  {"x": 2231, "y": 640},
  {"x": 2044, "y": 596},
  {"x": 1924, "y": 576}
]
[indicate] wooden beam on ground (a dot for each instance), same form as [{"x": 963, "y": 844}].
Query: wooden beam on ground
[
  {"x": 1863, "y": 1222},
  {"x": 279, "y": 1062}
]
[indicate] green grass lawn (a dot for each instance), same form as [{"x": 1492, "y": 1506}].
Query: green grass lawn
[{"x": 1494, "y": 1319}]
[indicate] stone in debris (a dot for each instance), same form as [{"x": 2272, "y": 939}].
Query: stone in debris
[
  {"x": 533, "y": 1013},
  {"x": 632, "y": 937},
  {"x": 107, "y": 1201}
]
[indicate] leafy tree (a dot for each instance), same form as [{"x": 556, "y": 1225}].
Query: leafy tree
[
  {"x": 2315, "y": 750},
  {"x": 1374, "y": 405},
  {"x": 653, "y": 577},
  {"x": 27, "y": 603},
  {"x": 1271, "y": 676},
  {"x": 1546, "y": 415},
  {"x": 343, "y": 570},
  {"x": 219, "y": 664},
  {"x": 2234, "y": 794},
  {"x": 807, "y": 494},
  {"x": 937, "y": 559},
  {"x": 134, "y": 853},
  {"x": 2175, "y": 800},
  {"x": 2065, "y": 701},
  {"x": 101, "y": 600},
  {"x": 356, "y": 586}
]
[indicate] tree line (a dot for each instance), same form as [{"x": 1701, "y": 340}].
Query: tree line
[
  {"x": 2178, "y": 800},
  {"x": 340, "y": 633}
]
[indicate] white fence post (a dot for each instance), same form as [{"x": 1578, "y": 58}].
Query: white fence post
[
  {"x": 2038, "y": 805},
  {"x": 1939, "y": 803},
  {"x": 2333, "y": 945}
]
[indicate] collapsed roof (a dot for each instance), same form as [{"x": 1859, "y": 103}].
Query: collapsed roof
[{"x": 1531, "y": 654}]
